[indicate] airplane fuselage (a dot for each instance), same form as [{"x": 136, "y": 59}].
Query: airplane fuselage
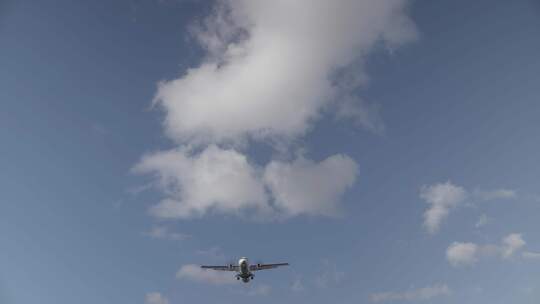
[{"x": 243, "y": 271}]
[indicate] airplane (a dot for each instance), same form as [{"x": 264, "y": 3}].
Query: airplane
[{"x": 244, "y": 270}]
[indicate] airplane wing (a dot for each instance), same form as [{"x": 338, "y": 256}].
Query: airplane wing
[
  {"x": 221, "y": 268},
  {"x": 258, "y": 267}
]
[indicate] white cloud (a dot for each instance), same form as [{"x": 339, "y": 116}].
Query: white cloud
[
  {"x": 162, "y": 232},
  {"x": 531, "y": 255},
  {"x": 463, "y": 254},
  {"x": 216, "y": 179},
  {"x": 223, "y": 181},
  {"x": 496, "y": 194},
  {"x": 425, "y": 293},
  {"x": 361, "y": 113},
  {"x": 195, "y": 273},
  {"x": 155, "y": 298},
  {"x": 305, "y": 187},
  {"x": 272, "y": 67},
  {"x": 270, "y": 70},
  {"x": 442, "y": 198},
  {"x": 511, "y": 244}
]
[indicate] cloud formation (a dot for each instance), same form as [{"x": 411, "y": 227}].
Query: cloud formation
[
  {"x": 464, "y": 254},
  {"x": 163, "y": 233},
  {"x": 215, "y": 179},
  {"x": 488, "y": 195},
  {"x": 511, "y": 244},
  {"x": 270, "y": 70},
  {"x": 444, "y": 197},
  {"x": 155, "y": 298},
  {"x": 306, "y": 187},
  {"x": 223, "y": 181},
  {"x": 531, "y": 255},
  {"x": 273, "y": 66},
  {"x": 192, "y": 272},
  {"x": 441, "y": 197},
  {"x": 424, "y": 293}
]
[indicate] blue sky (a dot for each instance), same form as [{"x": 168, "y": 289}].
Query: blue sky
[{"x": 390, "y": 157}]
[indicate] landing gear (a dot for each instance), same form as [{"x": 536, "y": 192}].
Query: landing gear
[{"x": 245, "y": 277}]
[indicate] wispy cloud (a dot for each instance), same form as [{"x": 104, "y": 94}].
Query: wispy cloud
[
  {"x": 155, "y": 298},
  {"x": 192, "y": 272},
  {"x": 512, "y": 243},
  {"x": 531, "y": 255},
  {"x": 445, "y": 197},
  {"x": 424, "y": 293},
  {"x": 488, "y": 195},
  {"x": 463, "y": 254},
  {"x": 162, "y": 232},
  {"x": 441, "y": 199}
]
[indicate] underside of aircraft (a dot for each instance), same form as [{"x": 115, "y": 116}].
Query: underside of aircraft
[{"x": 243, "y": 269}]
